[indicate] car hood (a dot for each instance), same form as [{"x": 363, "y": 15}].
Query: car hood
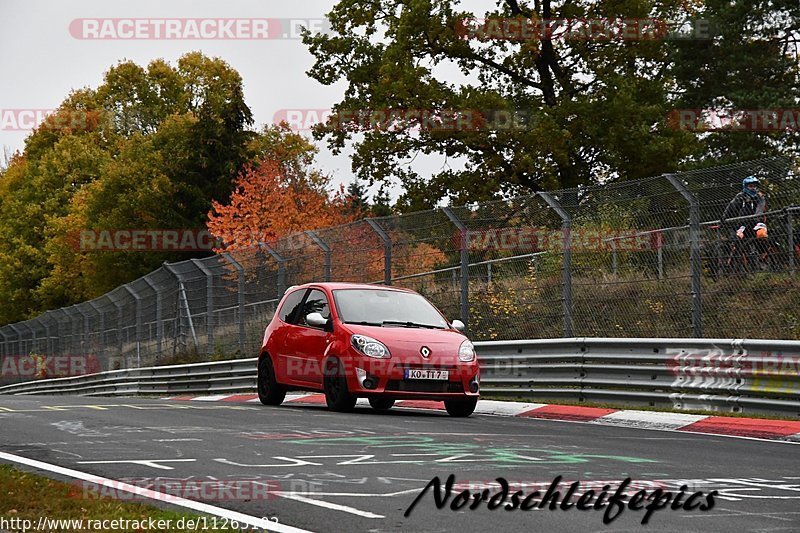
[{"x": 407, "y": 342}]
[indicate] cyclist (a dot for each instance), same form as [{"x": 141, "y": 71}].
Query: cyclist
[{"x": 748, "y": 203}]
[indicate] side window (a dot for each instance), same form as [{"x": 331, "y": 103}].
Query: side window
[
  {"x": 315, "y": 303},
  {"x": 290, "y": 306}
]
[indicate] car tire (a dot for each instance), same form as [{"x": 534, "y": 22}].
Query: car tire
[
  {"x": 381, "y": 404},
  {"x": 460, "y": 408},
  {"x": 337, "y": 395},
  {"x": 270, "y": 392}
]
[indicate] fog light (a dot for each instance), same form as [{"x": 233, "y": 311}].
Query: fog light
[
  {"x": 473, "y": 386},
  {"x": 370, "y": 383}
]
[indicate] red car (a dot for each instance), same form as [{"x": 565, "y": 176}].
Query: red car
[{"x": 355, "y": 341}]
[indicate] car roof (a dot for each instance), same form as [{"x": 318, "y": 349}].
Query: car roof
[{"x": 344, "y": 285}]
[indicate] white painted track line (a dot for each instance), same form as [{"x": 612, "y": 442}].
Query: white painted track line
[{"x": 256, "y": 522}]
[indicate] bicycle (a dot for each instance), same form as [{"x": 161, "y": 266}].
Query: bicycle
[{"x": 743, "y": 256}]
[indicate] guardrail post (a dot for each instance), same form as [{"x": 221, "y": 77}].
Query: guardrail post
[
  {"x": 387, "y": 250},
  {"x": 159, "y": 315},
  {"x": 209, "y": 304},
  {"x": 464, "y": 264},
  {"x": 695, "y": 258},
  {"x": 138, "y": 300},
  {"x": 790, "y": 238},
  {"x": 326, "y": 251},
  {"x": 240, "y": 274},
  {"x": 566, "y": 263},
  {"x": 281, "y": 266}
]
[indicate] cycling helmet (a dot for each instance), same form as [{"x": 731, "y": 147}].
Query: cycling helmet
[{"x": 750, "y": 180}]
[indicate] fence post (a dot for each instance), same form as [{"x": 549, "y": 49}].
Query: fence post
[
  {"x": 85, "y": 329},
  {"x": 3, "y": 344},
  {"x": 70, "y": 344},
  {"x": 159, "y": 315},
  {"x": 387, "y": 250},
  {"x": 281, "y": 267},
  {"x": 614, "y": 257},
  {"x": 464, "y": 262},
  {"x": 326, "y": 250},
  {"x": 138, "y": 300},
  {"x": 566, "y": 263},
  {"x": 19, "y": 338},
  {"x": 696, "y": 260},
  {"x": 240, "y": 274},
  {"x": 181, "y": 301},
  {"x": 36, "y": 339},
  {"x": 209, "y": 304},
  {"x": 60, "y": 338},
  {"x": 790, "y": 238},
  {"x": 120, "y": 340},
  {"x": 102, "y": 327}
]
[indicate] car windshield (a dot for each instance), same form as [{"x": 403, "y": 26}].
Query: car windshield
[{"x": 386, "y": 308}]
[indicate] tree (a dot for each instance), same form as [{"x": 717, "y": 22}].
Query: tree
[
  {"x": 750, "y": 64},
  {"x": 269, "y": 202},
  {"x": 589, "y": 110},
  {"x": 147, "y": 149}
]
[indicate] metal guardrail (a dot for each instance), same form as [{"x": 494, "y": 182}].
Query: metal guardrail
[{"x": 733, "y": 375}]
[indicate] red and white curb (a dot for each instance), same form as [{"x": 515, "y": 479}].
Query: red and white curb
[{"x": 754, "y": 428}]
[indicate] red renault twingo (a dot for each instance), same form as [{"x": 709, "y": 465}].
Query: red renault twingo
[{"x": 382, "y": 343}]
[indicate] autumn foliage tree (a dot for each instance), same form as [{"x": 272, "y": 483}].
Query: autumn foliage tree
[{"x": 271, "y": 200}]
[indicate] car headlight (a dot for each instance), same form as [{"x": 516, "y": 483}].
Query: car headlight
[
  {"x": 370, "y": 347},
  {"x": 466, "y": 352}
]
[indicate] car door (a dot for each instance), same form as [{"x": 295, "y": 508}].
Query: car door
[
  {"x": 310, "y": 342},
  {"x": 283, "y": 351}
]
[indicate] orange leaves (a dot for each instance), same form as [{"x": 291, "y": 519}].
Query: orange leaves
[{"x": 270, "y": 201}]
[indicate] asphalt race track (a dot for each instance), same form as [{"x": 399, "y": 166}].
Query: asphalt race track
[{"x": 360, "y": 471}]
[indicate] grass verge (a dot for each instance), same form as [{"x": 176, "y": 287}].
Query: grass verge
[{"x": 25, "y": 496}]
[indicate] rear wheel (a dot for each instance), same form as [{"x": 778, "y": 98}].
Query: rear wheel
[
  {"x": 270, "y": 392},
  {"x": 337, "y": 395},
  {"x": 461, "y": 408},
  {"x": 381, "y": 404}
]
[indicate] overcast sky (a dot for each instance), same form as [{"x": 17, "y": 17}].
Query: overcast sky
[{"x": 42, "y": 60}]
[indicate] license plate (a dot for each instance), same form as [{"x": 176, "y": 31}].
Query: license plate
[{"x": 426, "y": 374}]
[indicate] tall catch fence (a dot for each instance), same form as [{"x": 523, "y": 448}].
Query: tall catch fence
[{"x": 645, "y": 258}]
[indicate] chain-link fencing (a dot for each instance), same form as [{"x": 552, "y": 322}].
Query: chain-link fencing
[{"x": 645, "y": 258}]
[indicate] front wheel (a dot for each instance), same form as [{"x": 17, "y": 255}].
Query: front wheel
[
  {"x": 270, "y": 392},
  {"x": 337, "y": 395},
  {"x": 381, "y": 404},
  {"x": 461, "y": 408}
]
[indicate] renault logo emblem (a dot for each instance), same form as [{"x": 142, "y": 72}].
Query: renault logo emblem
[{"x": 425, "y": 351}]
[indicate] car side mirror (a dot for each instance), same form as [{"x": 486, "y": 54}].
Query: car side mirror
[
  {"x": 457, "y": 324},
  {"x": 318, "y": 321}
]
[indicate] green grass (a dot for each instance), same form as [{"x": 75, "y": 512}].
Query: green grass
[{"x": 27, "y": 496}]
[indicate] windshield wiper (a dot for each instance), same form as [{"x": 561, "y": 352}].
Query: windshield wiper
[
  {"x": 364, "y": 323},
  {"x": 409, "y": 324}
]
